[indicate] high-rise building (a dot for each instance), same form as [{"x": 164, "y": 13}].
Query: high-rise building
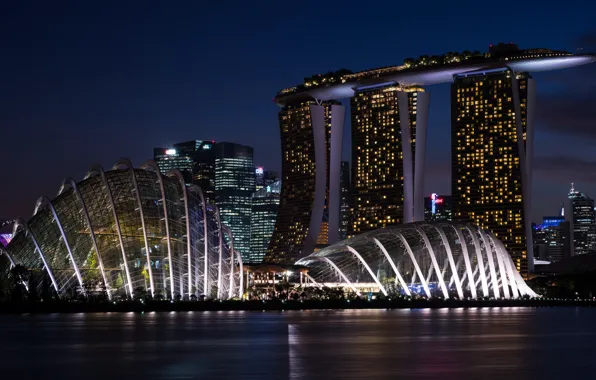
[
  {"x": 437, "y": 207},
  {"x": 583, "y": 223},
  {"x": 264, "y": 177},
  {"x": 234, "y": 187},
  {"x": 388, "y": 144},
  {"x": 195, "y": 160},
  {"x": 346, "y": 196},
  {"x": 311, "y": 141},
  {"x": 553, "y": 239},
  {"x": 490, "y": 174},
  {"x": 265, "y": 204}
]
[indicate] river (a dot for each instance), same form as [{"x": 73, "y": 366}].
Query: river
[{"x": 486, "y": 343}]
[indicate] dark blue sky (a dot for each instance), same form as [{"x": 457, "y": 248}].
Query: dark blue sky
[{"x": 85, "y": 82}]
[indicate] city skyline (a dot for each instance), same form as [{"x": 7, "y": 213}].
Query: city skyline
[{"x": 33, "y": 121}]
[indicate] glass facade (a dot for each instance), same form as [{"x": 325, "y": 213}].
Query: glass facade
[
  {"x": 196, "y": 162},
  {"x": 553, "y": 239},
  {"x": 486, "y": 171},
  {"x": 124, "y": 232},
  {"x": 583, "y": 222},
  {"x": 264, "y": 178},
  {"x": 423, "y": 259},
  {"x": 234, "y": 187},
  {"x": 378, "y": 156},
  {"x": 265, "y": 205}
]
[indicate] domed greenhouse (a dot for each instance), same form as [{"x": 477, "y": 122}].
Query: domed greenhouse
[{"x": 123, "y": 231}]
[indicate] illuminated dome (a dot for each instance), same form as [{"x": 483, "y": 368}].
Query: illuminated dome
[
  {"x": 126, "y": 231},
  {"x": 439, "y": 259}
]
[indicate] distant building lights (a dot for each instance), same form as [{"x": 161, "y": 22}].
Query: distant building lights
[{"x": 171, "y": 152}]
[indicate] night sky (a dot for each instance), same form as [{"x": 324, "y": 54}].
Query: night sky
[{"x": 86, "y": 82}]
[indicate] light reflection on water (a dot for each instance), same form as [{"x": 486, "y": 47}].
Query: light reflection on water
[{"x": 487, "y": 343}]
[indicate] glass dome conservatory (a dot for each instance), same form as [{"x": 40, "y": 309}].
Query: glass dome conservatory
[
  {"x": 127, "y": 230},
  {"x": 439, "y": 259}
]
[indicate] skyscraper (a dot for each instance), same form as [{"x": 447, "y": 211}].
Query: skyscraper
[
  {"x": 265, "y": 205},
  {"x": 234, "y": 186},
  {"x": 553, "y": 239},
  {"x": 196, "y": 162},
  {"x": 311, "y": 141},
  {"x": 388, "y": 143},
  {"x": 346, "y": 197},
  {"x": 437, "y": 207},
  {"x": 264, "y": 177},
  {"x": 583, "y": 223},
  {"x": 490, "y": 173}
]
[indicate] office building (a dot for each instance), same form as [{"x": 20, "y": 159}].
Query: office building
[
  {"x": 437, "y": 207},
  {"x": 264, "y": 177},
  {"x": 490, "y": 173},
  {"x": 234, "y": 187},
  {"x": 346, "y": 197},
  {"x": 388, "y": 141},
  {"x": 311, "y": 140},
  {"x": 583, "y": 224},
  {"x": 265, "y": 204},
  {"x": 553, "y": 239},
  {"x": 195, "y": 160}
]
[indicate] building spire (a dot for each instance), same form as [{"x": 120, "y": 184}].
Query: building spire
[{"x": 572, "y": 188}]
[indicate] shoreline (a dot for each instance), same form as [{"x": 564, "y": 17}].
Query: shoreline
[{"x": 68, "y": 307}]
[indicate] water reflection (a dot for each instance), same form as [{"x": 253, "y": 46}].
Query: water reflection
[{"x": 495, "y": 343}]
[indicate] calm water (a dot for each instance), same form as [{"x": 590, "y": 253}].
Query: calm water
[{"x": 499, "y": 343}]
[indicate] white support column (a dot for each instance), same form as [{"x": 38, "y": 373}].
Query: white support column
[
  {"x": 328, "y": 261},
  {"x": 99, "y": 169},
  {"x": 491, "y": 265},
  {"x": 152, "y": 164},
  {"x": 372, "y": 274},
  {"x": 445, "y": 241},
  {"x": 3, "y": 251},
  {"x": 434, "y": 261},
  {"x": 47, "y": 200},
  {"x": 480, "y": 260},
  {"x": 408, "y": 158},
  {"x": 393, "y": 266},
  {"x": 526, "y": 150},
  {"x": 220, "y": 261},
  {"x": 334, "y": 202},
  {"x": 420, "y": 155},
  {"x": 176, "y": 173},
  {"x": 22, "y": 223},
  {"x": 75, "y": 188},
  {"x": 241, "y": 285},
  {"x": 415, "y": 262},
  {"x": 127, "y": 164},
  {"x": 199, "y": 191},
  {"x": 467, "y": 261},
  {"x": 318, "y": 121},
  {"x": 510, "y": 268},
  {"x": 502, "y": 271},
  {"x": 228, "y": 232}
]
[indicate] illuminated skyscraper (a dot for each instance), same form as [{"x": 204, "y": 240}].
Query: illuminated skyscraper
[
  {"x": 553, "y": 239},
  {"x": 583, "y": 222},
  {"x": 311, "y": 141},
  {"x": 437, "y": 207},
  {"x": 265, "y": 204},
  {"x": 234, "y": 187},
  {"x": 346, "y": 204},
  {"x": 264, "y": 177},
  {"x": 388, "y": 143},
  {"x": 196, "y": 162},
  {"x": 491, "y": 153}
]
